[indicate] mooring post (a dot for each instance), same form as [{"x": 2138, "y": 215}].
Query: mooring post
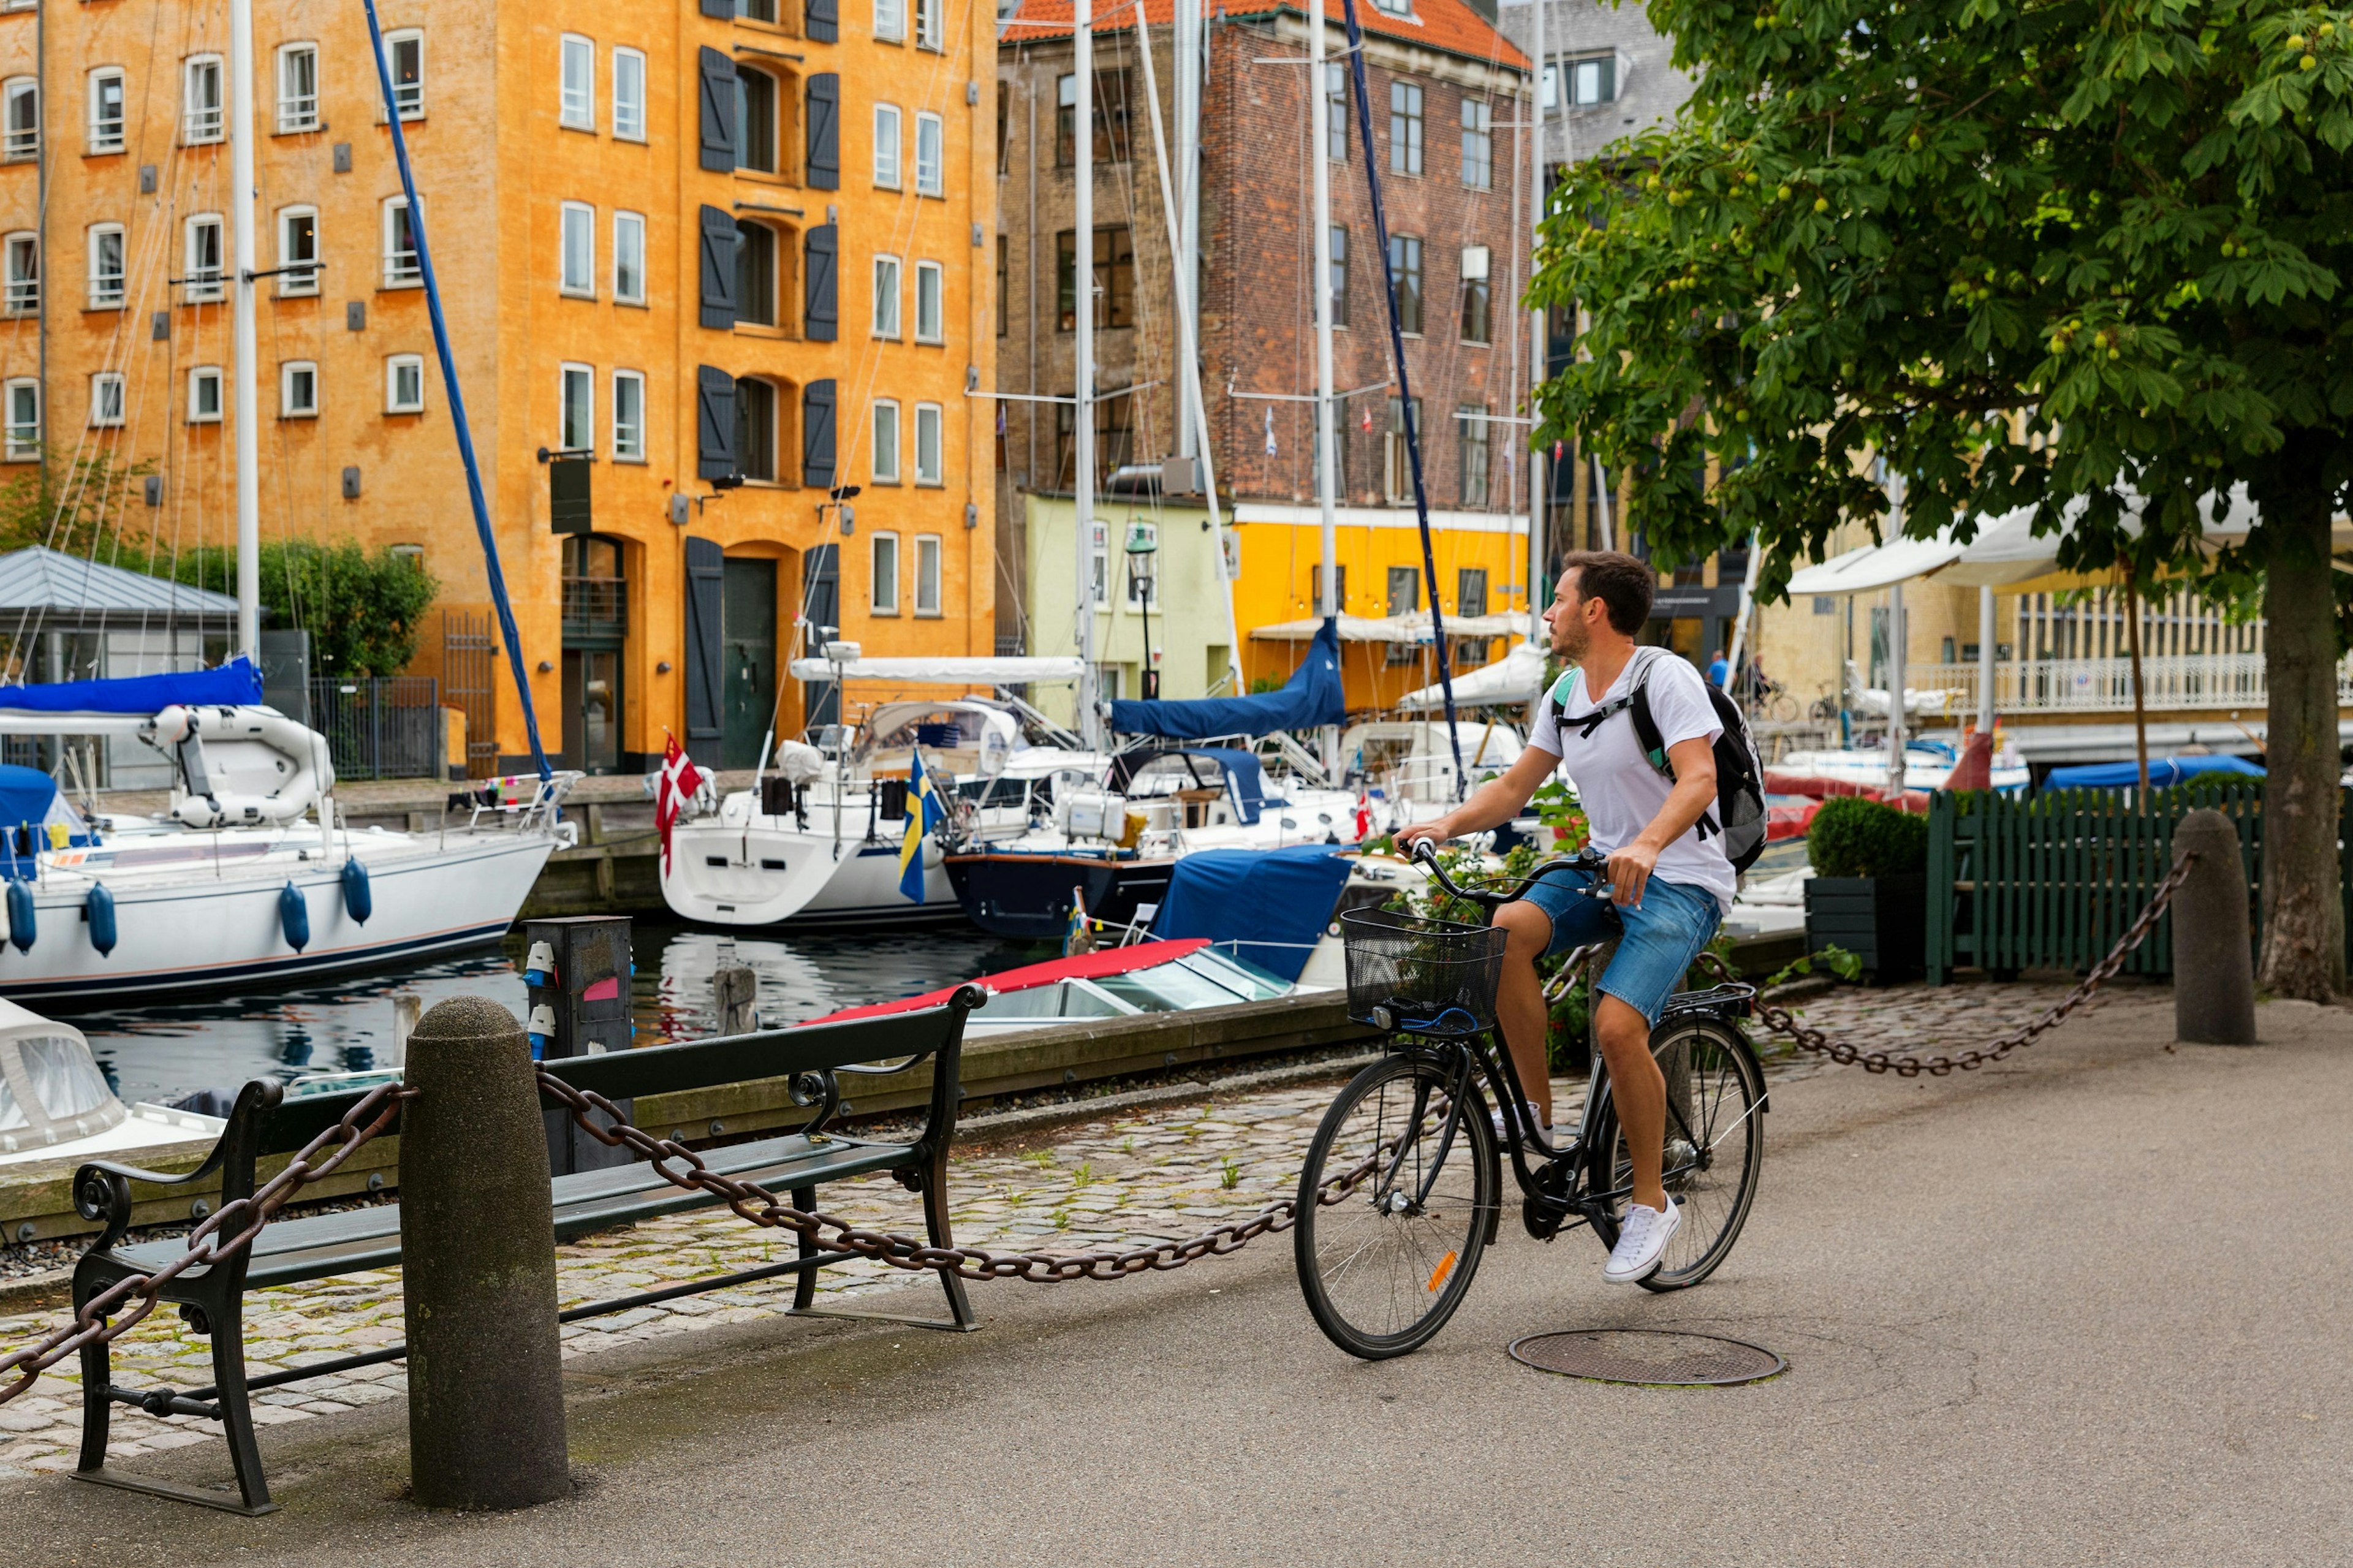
[
  {"x": 2213, "y": 950},
  {"x": 733, "y": 990},
  {"x": 478, "y": 1243}
]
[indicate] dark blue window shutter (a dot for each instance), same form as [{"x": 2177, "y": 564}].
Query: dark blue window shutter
[
  {"x": 714, "y": 423},
  {"x": 718, "y": 268},
  {"x": 820, "y": 286},
  {"x": 821, "y": 599},
  {"x": 816, "y": 435},
  {"x": 821, "y": 19},
  {"x": 718, "y": 110},
  {"x": 706, "y": 581},
  {"x": 825, "y": 132},
  {"x": 719, "y": 9}
]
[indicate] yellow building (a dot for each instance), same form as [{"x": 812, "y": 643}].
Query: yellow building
[{"x": 728, "y": 253}]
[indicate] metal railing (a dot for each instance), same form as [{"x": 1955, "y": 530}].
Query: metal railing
[
  {"x": 380, "y": 728},
  {"x": 2174, "y": 683},
  {"x": 597, "y": 603}
]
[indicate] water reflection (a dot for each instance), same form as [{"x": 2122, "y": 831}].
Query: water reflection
[{"x": 163, "y": 1051}]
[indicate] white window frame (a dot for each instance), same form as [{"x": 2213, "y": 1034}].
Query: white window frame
[
  {"x": 878, "y": 581},
  {"x": 930, "y": 28},
  {"x": 22, "y": 437},
  {"x": 409, "y": 95},
  {"x": 931, "y": 154},
  {"x": 891, "y": 21},
  {"x": 296, "y": 113},
  {"x": 19, "y": 146},
  {"x": 392, "y": 273},
  {"x": 931, "y": 301},
  {"x": 576, "y": 96},
  {"x": 23, "y": 285},
  {"x": 577, "y": 242},
  {"x": 108, "y": 398},
  {"x": 887, "y": 305},
  {"x": 296, "y": 285},
  {"x": 1099, "y": 573},
  {"x": 567, "y": 375},
  {"x": 101, "y": 296},
  {"x": 629, "y": 110},
  {"x": 930, "y": 460},
  {"x": 884, "y": 464},
  {"x": 393, "y": 366},
  {"x": 202, "y": 375},
  {"x": 889, "y": 149},
  {"x": 930, "y": 553},
  {"x": 288, "y": 374},
  {"x": 99, "y": 135},
  {"x": 201, "y": 126},
  {"x": 204, "y": 286},
  {"x": 629, "y": 240},
  {"x": 628, "y": 436}
]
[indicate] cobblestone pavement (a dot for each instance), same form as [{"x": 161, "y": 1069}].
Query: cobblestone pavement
[{"x": 1166, "y": 1174}]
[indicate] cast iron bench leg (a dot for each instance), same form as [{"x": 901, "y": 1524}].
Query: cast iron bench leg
[
  {"x": 936, "y": 1222},
  {"x": 805, "y": 1285},
  {"x": 237, "y": 1410},
  {"x": 97, "y": 1375}
]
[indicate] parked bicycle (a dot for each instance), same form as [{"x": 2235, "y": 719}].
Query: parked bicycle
[{"x": 1400, "y": 1195}]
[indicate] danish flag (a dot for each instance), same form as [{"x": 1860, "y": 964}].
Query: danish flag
[{"x": 681, "y": 782}]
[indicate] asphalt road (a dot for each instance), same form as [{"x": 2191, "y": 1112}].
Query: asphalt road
[{"x": 2086, "y": 1306}]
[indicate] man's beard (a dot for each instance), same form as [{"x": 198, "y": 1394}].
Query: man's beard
[{"x": 1573, "y": 641}]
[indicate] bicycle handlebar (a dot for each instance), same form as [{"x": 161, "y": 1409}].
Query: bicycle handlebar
[{"x": 1588, "y": 860}]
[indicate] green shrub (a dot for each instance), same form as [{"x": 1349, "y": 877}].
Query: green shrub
[{"x": 1851, "y": 836}]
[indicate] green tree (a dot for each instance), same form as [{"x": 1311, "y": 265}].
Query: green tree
[
  {"x": 2047, "y": 255},
  {"x": 363, "y": 611},
  {"x": 71, "y": 504}
]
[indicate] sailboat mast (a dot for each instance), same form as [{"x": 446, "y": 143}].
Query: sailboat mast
[
  {"x": 1319, "y": 152},
  {"x": 1082, "y": 310},
  {"x": 1185, "y": 37},
  {"x": 249, "y": 413},
  {"x": 1537, "y": 481}
]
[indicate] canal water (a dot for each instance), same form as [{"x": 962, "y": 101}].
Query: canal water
[{"x": 162, "y": 1052}]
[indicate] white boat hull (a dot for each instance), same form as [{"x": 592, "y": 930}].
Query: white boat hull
[{"x": 766, "y": 875}]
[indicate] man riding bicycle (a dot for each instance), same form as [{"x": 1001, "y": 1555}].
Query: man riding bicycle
[{"x": 1670, "y": 880}]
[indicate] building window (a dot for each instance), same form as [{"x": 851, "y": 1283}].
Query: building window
[
  {"x": 1335, "y": 111},
  {"x": 200, "y": 101},
  {"x": 886, "y": 297},
  {"x": 577, "y": 393},
  {"x": 891, "y": 21},
  {"x": 297, "y": 390},
  {"x": 1404, "y": 590},
  {"x": 1339, "y": 275},
  {"x": 1477, "y": 324},
  {"x": 1394, "y": 8},
  {"x": 205, "y": 395},
  {"x": 755, "y": 120},
  {"x": 886, "y": 569},
  {"x": 298, "y": 251},
  {"x": 106, "y": 111},
  {"x": 1471, "y": 458},
  {"x": 930, "y": 277},
  {"x": 931, "y": 26},
  {"x": 576, "y": 83},
  {"x": 106, "y": 266},
  {"x": 24, "y": 437},
  {"x": 886, "y": 146},
  {"x": 1593, "y": 79},
  {"x": 1397, "y": 470},
  {"x": 929, "y": 469},
  {"x": 1405, "y": 269},
  {"x": 628, "y": 416},
  {"x": 886, "y": 441},
  {"x": 406, "y": 53},
  {"x": 401, "y": 267},
  {"x": 106, "y": 400},
  {"x": 297, "y": 89},
  {"x": 758, "y": 11},
  {"x": 1405, "y": 128},
  {"x": 1110, "y": 120},
  {"x": 756, "y": 274},
  {"x": 21, "y": 119},
  {"x": 1113, "y": 281},
  {"x": 579, "y": 250},
  {"x": 1477, "y": 145},
  {"x": 931, "y": 156},
  {"x": 927, "y": 574},
  {"x": 755, "y": 429},
  {"x": 203, "y": 268},
  {"x": 403, "y": 383},
  {"x": 629, "y": 95},
  {"x": 24, "y": 281},
  {"x": 1470, "y": 589}
]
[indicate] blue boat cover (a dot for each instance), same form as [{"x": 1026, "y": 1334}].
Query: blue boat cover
[
  {"x": 1272, "y": 904},
  {"x": 1309, "y": 698},
  {"x": 2162, "y": 771},
  {"x": 235, "y": 684},
  {"x": 34, "y": 816},
  {"x": 26, "y": 795}
]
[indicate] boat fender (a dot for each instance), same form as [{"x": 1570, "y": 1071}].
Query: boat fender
[
  {"x": 294, "y": 916},
  {"x": 542, "y": 1029},
  {"x": 22, "y": 920},
  {"x": 99, "y": 909},
  {"x": 539, "y": 969},
  {"x": 359, "y": 902}
]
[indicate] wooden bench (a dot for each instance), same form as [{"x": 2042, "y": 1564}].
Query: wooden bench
[{"x": 265, "y": 1123}]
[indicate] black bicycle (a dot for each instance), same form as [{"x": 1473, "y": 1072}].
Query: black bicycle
[{"x": 1400, "y": 1193}]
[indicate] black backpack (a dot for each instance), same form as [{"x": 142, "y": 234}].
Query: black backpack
[{"x": 1740, "y": 812}]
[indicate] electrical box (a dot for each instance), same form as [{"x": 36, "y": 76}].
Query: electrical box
[{"x": 577, "y": 972}]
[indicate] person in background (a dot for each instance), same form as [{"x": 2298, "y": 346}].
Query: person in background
[{"x": 1718, "y": 670}]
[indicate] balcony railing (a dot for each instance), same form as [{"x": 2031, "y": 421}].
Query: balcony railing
[
  {"x": 596, "y": 606},
  {"x": 2170, "y": 684}
]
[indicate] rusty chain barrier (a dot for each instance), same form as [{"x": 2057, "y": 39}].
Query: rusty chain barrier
[{"x": 95, "y": 1323}]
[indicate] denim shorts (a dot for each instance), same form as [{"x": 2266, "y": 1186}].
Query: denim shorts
[{"x": 1661, "y": 938}]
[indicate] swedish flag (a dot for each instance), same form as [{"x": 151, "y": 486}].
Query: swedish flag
[{"x": 924, "y": 813}]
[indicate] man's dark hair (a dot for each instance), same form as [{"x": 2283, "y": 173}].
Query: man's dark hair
[{"x": 1620, "y": 582}]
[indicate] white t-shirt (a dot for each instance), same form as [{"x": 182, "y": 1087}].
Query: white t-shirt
[{"x": 1617, "y": 785}]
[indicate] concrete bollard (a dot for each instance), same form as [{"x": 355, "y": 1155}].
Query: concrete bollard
[
  {"x": 733, "y": 990},
  {"x": 477, "y": 1245},
  {"x": 2213, "y": 958}
]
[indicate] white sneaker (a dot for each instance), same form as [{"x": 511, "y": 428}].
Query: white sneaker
[
  {"x": 1642, "y": 1243},
  {"x": 1503, "y": 1134}
]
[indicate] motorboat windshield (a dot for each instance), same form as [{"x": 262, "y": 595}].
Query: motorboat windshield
[{"x": 958, "y": 737}]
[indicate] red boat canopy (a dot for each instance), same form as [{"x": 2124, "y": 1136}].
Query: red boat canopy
[{"x": 1093, "y": 965}]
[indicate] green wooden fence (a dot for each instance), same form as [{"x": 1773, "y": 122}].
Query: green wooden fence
[{"x": 2051, "y": 881}]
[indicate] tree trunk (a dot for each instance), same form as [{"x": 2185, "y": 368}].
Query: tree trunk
[{"x": 2304, "y": 912}]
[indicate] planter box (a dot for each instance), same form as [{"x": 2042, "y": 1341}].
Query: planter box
[{"x": 1882, "y": 920}]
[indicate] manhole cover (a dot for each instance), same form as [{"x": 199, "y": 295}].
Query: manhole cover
[{"x": 1648, "y": 1356}]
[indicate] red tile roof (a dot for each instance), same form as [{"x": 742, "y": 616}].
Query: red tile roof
[{"x": 1449, "y": 26}]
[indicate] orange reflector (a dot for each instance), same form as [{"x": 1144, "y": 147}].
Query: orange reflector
[{"x": 1437, "y": 1275}]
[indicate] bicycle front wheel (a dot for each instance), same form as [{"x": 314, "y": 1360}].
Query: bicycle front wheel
[
  {"x": 1394, "y": 1204},
  {"x": 1714, "y": 1148}
]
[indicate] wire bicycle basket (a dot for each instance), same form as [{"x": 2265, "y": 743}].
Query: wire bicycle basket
[{"x": 1409, "y": 974}]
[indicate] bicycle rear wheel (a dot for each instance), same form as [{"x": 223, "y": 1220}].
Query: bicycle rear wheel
[
  {"x": 1395, "y": 1206},
  {"x": 1714, "y": 1148}
]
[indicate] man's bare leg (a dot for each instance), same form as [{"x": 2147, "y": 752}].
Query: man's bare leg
[
  {"x": 1640, "y": 1090},
  {"x": 1520, "y": 1006}
]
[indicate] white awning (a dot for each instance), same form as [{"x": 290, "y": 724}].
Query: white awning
[
  {"x": 942, "y": 671},
  {"x": 1410, "y": 627}
]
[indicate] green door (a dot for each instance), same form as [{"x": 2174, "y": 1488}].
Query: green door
[{"x": 747, "y": 659}]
